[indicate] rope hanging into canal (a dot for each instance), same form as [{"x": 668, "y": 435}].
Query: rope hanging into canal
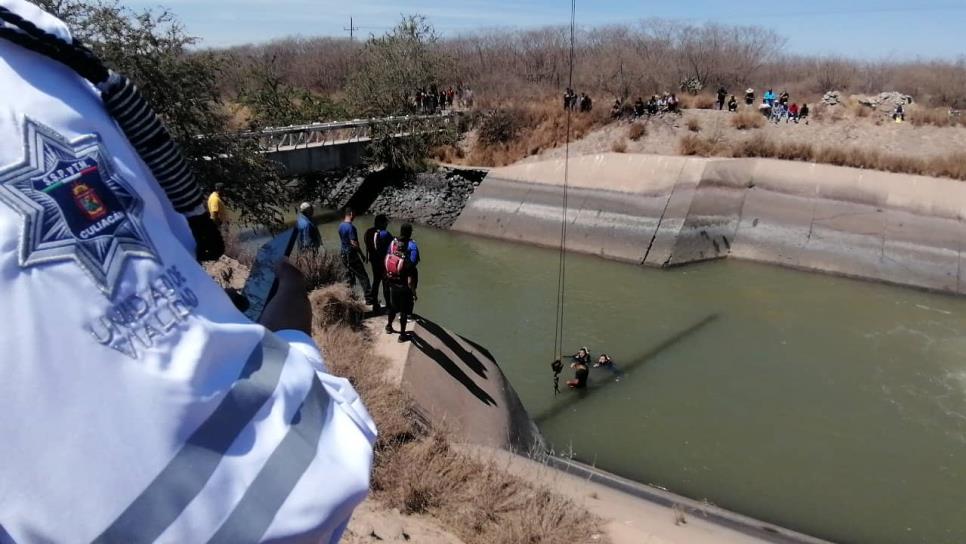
[{"x": 562, "y": 270}]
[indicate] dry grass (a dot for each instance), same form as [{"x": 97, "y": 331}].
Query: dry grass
[
  {"x": 952, "y": 165},
  {"x": 543, "y": 125},
  {"x": 693, "y": 145},
  {"x": 334, "y": 305},
  {"x": 747, "y": 120},
  {"x": 694, "y": 124},
  {"x": 619, "y": 146},
  {"x": 419, "y": 472},
  {"x": 937, "y": 117},
  {"x": 320, "y": 268},
  {"x": 698, "y": 102},
  {"x": 637, "y": 131}
]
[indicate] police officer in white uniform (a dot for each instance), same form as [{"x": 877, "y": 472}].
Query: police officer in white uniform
[{"x": 136, "y": 403}]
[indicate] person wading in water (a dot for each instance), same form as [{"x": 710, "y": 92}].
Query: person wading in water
[{"x": 581, "y": 366}]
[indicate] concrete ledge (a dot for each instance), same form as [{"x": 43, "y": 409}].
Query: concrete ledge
[
  {"x": 667, "y": 211},
  {"x": 457, "y": 385}
]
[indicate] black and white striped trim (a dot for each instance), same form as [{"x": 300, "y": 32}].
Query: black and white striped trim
[{"x": 153, "y": 143}]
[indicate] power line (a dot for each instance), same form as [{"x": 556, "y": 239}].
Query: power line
[{"x": 352, "y": 29}]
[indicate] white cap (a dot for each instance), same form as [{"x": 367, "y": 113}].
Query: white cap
[{"x": 304, "y": 206}]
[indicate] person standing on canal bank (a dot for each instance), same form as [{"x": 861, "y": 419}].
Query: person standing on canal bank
[
  {"x": 352, "y": 257},
  {"x": 378, "y": 239},
  {"x": 216, "y": 208},
  {"x": 308, "y": 234},
  {"x": 402, "y": 278}
]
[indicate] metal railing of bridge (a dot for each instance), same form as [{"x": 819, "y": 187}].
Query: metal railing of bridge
[{"x": 297, "y": 136}]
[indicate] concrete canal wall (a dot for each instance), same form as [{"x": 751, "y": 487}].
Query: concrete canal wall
[{"x": 667, "y": 211}]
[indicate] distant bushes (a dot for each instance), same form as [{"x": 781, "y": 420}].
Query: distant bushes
[
  {"x": 502, "y": 126},
  {"x": 512, "y": 133},
  {"x": 952, "y": 165},
  {"x": 694, "y": 124}
]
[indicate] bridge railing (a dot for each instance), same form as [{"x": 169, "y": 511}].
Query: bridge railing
[{"x": 297, "y": 136}]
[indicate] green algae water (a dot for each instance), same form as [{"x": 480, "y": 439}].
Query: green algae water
[{"x": 830, "y": 406}]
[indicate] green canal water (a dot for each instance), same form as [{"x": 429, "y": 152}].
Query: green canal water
[{"x": 831, "y": 406}]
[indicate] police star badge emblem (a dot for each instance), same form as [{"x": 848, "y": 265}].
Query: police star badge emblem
[{"x": 75, "y": 207}]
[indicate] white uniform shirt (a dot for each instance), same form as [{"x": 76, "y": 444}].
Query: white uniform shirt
[{"x": 136, "y": 403}]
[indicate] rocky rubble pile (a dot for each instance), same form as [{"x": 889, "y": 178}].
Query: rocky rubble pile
[
  {"x": 434, "y": 198},
  {"x": 884, "y": 101}
]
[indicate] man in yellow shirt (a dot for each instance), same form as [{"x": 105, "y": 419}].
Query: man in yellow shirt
[{"x": 215, "y": 206}]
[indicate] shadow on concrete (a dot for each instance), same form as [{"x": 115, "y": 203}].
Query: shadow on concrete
[
  {"x": 468, "y": 358},
  {"x": 371, "y": 188},
  {"x": 486, "y": 353},
  {"x": 569, "y": 398},
  {"x": 452, "y": 369}
]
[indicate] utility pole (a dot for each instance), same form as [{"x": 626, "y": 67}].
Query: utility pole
[{"x": 352, "y": 29}]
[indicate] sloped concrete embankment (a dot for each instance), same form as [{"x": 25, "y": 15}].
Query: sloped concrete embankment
[
  {"x": 667, "y": 211},
  {"x": 457, "y": 384}
]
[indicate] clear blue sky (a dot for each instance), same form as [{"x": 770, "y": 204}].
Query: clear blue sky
[{"x": 859, "y": 28}]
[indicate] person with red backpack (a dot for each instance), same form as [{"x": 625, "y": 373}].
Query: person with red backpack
[
  {"x": 378, "y": 239},
  {"x": 402, "y": 278}
]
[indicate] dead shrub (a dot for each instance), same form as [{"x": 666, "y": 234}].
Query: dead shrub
[
  {"x": 747, "y": 120},
  {"x": 619, "y": 146},
  {"x": 320, "y": 268},
  {"x": 699, "y": 146},
  {"x": 637, "y": 131},
  {"x": 694, "y": 124},
  {"x": 335, "y": 305}
]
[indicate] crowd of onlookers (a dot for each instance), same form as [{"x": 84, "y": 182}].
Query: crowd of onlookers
[
  {"x": 435, "y": 99},
  {"x": 575, "y": 102},
  {"x": 656, "y": 105},
  {"x": 776, "y": 107}
]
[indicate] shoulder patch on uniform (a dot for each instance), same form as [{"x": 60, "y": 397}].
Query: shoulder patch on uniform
[{"x": 75, "y": 207}]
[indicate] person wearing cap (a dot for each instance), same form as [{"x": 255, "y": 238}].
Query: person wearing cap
[
  {"x": 309, "y": 238},
  {"x": 137, "y": 403}
]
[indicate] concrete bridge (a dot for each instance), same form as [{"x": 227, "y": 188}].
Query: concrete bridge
[{"x": 321, "y": 147}]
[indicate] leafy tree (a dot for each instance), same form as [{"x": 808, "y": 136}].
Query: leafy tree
[
  {"x": 151, "y": 48},
  {"x": 390, "y": 69},
  {"x": 275, "y": 103}
]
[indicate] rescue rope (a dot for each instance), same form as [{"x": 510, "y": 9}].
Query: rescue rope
[{"x": 562, "y": 266}]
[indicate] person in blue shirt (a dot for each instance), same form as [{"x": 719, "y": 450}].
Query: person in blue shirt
[
  {"x": 352, "y": 256},
  {"x": 309, "y": 238},
  {"x": 377, "y": 240},
  {"x": 770, "y": 98}
]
